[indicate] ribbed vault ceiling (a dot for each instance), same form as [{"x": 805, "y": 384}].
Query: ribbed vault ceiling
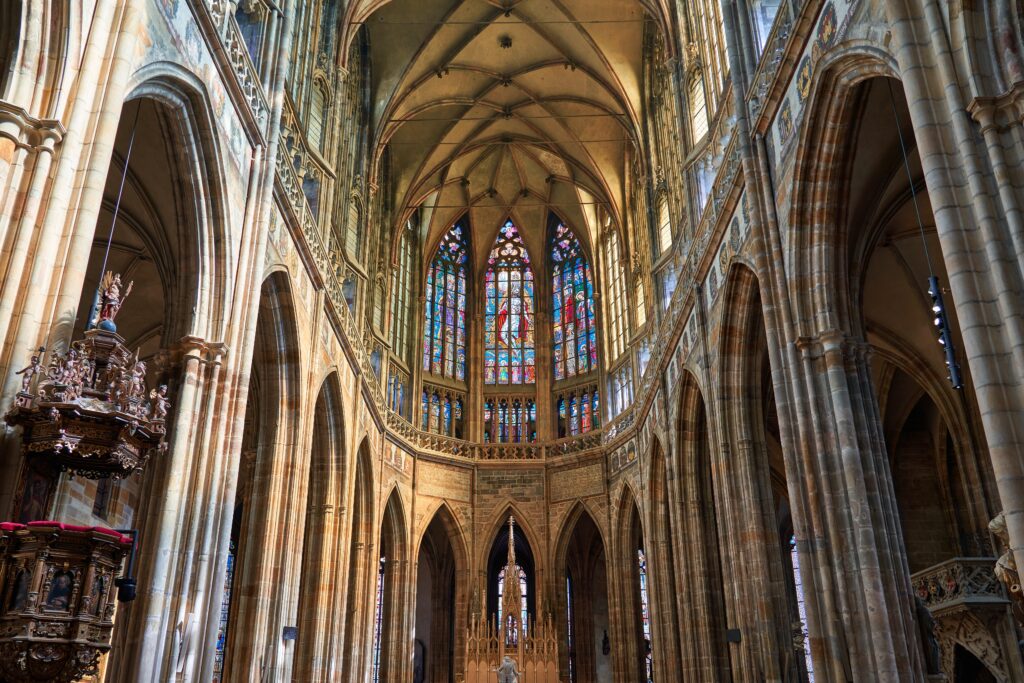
[{"x": 499, "y": 108}]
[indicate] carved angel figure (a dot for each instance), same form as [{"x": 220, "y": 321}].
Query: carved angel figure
[
  {"x": 29, "y": 372},
  {"x": 111, "y": 298},
  {"x": 507, "y": 672},
  {"x": 158, "y": 397}
]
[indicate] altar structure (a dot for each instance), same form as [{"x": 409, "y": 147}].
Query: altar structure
[{"x": 531, "y": 644}]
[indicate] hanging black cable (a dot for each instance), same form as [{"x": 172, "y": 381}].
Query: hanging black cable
[
  {"x": 941, "y": 319},
  {"x": 113, "y": 222}
]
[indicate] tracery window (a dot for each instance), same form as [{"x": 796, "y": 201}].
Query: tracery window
[
  {"x": 444, "y": 329},
  {"x": 317, "y": 113},
  {"x": 645, "y": 614},
  {"x": 641, "y": 303},
  {"x": 378, "y": 620},
  {"x": 615, "y": 315},
  {"x": 401, "y": 296},
  {"x": 575, "y": 337},
  {"x": 698, "y": 108},
  {"x": 352, "y": 229},
  {"x": 664, "y": 226},
  {"x": 707, "y": 36},
  {"x": 509, "y": 355},
  {"x": 578, "y": 412},
  {"x": 522, "y": 593},
  {"x": 510, "y": 420}
]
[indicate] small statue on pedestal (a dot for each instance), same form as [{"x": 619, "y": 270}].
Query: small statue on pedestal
[
  {"x": 110, "y": 301},
  {"x": 29, "y": 372},
  {"x": 507, "y": 672}
]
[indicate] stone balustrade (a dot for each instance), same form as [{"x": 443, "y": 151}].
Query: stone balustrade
[{"x": 959, "y": 582}]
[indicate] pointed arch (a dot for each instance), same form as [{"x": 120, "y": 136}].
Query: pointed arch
[
  {"x": 581, "y": 580},
  {"x": 442, "y": 597},
  {"x": 635, "y": 629},
  {"x": 359, "y": 572},
  {"x": 390, "y": 623},
  {"x": 322, "y": 539}
]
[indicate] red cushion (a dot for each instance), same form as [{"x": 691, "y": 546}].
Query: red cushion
[
  {"x": 122, "y": 538},
  {"x": 10, "y": 526}
]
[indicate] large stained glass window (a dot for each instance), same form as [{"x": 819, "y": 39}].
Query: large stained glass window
[
  {"x": 645, "y": 615},
  {"x": 444, "y": 329},
  {"x": 575, "y": 337},
  {"x": 509, "y": 355}
]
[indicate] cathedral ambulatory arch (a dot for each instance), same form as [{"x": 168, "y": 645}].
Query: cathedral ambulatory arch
[
  {"x": 582, "y": 581},
  {"x": 442, "y": 600},
  {"x": 701, "y": 598},
  {"x": 775, "y": 628},
  {"x": 318, "y": 632}
]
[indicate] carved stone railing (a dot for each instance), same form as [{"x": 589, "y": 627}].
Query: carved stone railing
[
  {"x": 241, "y": 63},
  {"x": 771, "y": 59},
  {"x": 959, "y": 582}
]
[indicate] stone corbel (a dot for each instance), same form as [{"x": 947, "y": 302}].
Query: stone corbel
[{"x": 27, "y": 131}]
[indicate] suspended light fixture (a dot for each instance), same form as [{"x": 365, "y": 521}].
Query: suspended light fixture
[{"x": 940, "y": 317}]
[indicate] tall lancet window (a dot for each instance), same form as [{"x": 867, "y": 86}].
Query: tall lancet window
[
  {"x": 572, "y": 315},
  {"x": 512, "y": 589},
  {"x": 645, "y": 615},
  {"x": 378, "y": 620},
  {"x": 509, "y": 355},
  {"x": 444, "y": 329}
]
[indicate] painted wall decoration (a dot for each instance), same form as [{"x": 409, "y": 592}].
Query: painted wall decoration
[
  {"x": 732, "y": 243},
  {"x": 832, "y": 23}
]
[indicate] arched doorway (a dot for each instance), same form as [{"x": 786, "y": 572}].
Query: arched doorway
[
  {"x": 440, "y": 601},
  {"x": 317, "y": 651},
  {"x": 702, "y": 599},
  {"x": 390, "y": 648},
  {"x": 584, "y": 617}
]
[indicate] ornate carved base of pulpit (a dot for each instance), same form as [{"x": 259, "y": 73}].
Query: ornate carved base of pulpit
[
  {"x": 57, "y": 592},
  {"x": 535, "y": 655}
]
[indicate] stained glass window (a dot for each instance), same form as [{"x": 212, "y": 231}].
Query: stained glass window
[
  {"x": 488, "y": 419},
  {"x": 801, "y": 606},
  {"x": 522, "y": 593},
  {"x": 569, "y": 625},
  {"x": 572, "y": 316},
  {"x": 447, "y": 416},
  {"x": 378, "y": 621},
  {"x": 225, "y": 609},
  {"x": 510, "y": 421},
  {"x": 585, "y": 421},
  {"x": 444, "y": 329},
  {"x": 645, "y": 615},
  {"x": 435, "y": 413},
  {"x": 509, "y": 356}
]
